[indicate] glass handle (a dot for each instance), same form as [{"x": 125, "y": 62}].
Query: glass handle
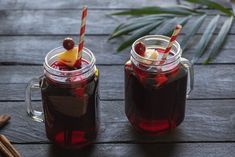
[
  {"x": 187, "y": 64},
  {"x": 35, "y": 115}
]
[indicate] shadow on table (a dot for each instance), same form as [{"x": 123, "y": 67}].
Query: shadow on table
[
  {"x": 139, "y": 146},
  {"x": 59, "y": 152},
  {"x": 155, "y": 150},
  {"x": 161, "y": 145}
]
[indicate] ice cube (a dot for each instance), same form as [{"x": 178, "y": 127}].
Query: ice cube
[{"x": 151, "y": 54}]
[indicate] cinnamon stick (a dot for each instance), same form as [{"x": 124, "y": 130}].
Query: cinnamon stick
[
  {"x": 4, "y": 150},
  {"x": 9, "y": 146},
  {"x": 4, "y": 119}
]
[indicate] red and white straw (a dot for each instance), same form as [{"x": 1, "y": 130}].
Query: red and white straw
[
  {"x": 171, "y": 42},
  {"x": 82, "y": 35}
]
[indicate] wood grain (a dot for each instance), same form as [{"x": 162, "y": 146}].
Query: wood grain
[
  {"x": 206, "y": 120},
  {"x": 211, "y": 82},
  {"x": 75, "y": 4},
  {"x": 137, "y": 150},
  {"x": 29, "y": 29},
  {"x": 60, "y": 22},
  {"x": 33, "y": 49},
  {"x": 94, "y": 4}
]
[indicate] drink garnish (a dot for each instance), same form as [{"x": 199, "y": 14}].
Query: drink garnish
[
  {"x": 72, "y": 57},
  {"x": 161, "y": 78},
  {"x": 150, "y": 54},
  {"x": 69, "y": 56},
  {"x": 140, "y": 49},
  {"x": 68, "y": 43},
  {"x": 171, "y": 42},
  {"x": 78, "y": 62}
]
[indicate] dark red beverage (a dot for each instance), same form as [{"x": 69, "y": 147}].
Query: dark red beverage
[
  {"x": 71, "y": 109},
  {"x": 156, "y": 85},
  {"x": 155, "y": 102}
]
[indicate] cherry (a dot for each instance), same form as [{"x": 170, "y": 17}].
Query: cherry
[
  {"x": 161, "y": 79},
  {"x": 141, "y": 74},
  {"x": 140, "y": 49},
  {"x": 79, "y": 91},
  {"x": 68, "y": 43}
]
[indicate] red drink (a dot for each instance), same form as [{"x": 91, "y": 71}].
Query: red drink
[
  {"x": 70, "y": 98},
  {"x": 151, "y": 108},
  {"x": 71, "y": 114},
  {"x": 155, "y": 92}
]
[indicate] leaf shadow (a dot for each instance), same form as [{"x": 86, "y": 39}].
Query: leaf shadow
[{"x": 164, "y": 145}]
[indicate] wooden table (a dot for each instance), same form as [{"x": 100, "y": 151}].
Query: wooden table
[{"x": 29, "y": 29}]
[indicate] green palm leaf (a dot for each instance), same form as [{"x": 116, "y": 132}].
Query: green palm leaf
[
  {"x": 168, "y": 26},
  {"x": 201, "y": 46},
  {"x": 118, "y": 28},
  {"x": 177, "y": 10},
  {"x": 141, "y": 32},
  {"x": 167, "y": 18},
  {"x": 149, "y": 17},
  {"x": 192, "y": 30},
  {"x": 213, "y": 5},
  {"x": 142, "y": 19},
  {"x": 127, "y": 28},
  {"x": 219, "y": 39}
]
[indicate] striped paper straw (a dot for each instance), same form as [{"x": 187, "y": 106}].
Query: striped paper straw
[
  {"x": 82, "y": 35},
  {"x": 171, "y": 42}
]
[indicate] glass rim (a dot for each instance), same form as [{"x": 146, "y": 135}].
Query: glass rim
[
  {"x": 80, "y": 71},
  {"x": 167, "y": 61}
]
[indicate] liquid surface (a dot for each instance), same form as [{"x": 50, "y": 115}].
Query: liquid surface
[
  {"x": 71, "y": 111},
  {"x": 155, "y": 102},
  {"x": 61, "y": 66}
]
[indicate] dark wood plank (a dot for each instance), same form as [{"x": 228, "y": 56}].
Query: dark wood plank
[
  {"x": 33, "y": 49},
  {"x": 60, "y": 22},
  {"x": 143, "y": 150},
  {"x": 206, "y": 120},
  {"x": 75, "y": 4},
  {"x": 211, "y": 82}
]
